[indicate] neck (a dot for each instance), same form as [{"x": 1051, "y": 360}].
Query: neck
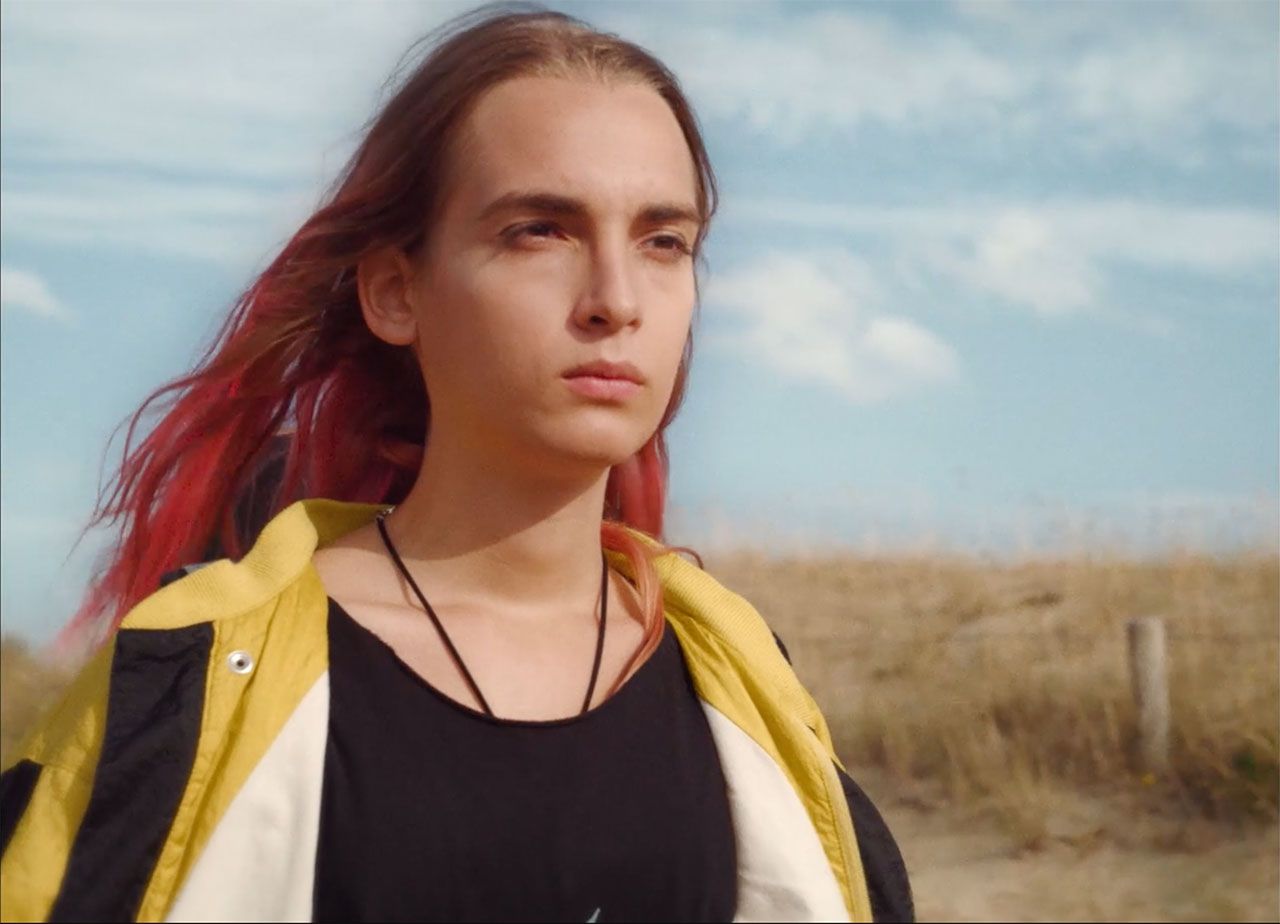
[{"x": 503, "y": 536}]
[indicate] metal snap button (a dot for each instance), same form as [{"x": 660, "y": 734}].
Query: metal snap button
[{"x": 240, "y": 661}]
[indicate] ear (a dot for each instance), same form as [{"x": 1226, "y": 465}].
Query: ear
[{"x": 384, "y": 280}]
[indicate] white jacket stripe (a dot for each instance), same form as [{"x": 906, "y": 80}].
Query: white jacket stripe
[
  {"x": 259, "y": 863},
  {"x": 783, "y": 873}
]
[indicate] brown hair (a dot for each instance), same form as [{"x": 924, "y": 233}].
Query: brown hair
[{"x": 296, "y": 384}]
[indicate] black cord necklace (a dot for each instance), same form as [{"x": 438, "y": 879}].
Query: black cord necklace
[{"x": 604, "y": 611}]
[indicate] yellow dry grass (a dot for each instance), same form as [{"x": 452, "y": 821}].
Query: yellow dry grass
[{"x": 1005, "y": 683}]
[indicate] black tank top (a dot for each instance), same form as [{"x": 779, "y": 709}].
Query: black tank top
[{"x": 434, "y": 811}]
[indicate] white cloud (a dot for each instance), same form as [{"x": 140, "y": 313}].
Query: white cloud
[
  {"x": 1052, "y": 257},
  {"x": 1095, "y": 78},
  {"x": 220, "y": 221},
  {"x": 814, "y": 318},
  {"x": 22, "y": 290},
  {"x": 832, "y": 69},
  {"x": 229, "y": 89},
  {"x": 194, "y": 129},
  {"x": 1024, "y": 259},
  {"x": 1171, "y": 90}
]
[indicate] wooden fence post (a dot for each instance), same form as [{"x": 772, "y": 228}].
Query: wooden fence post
[{"x": 1149, "y": 672}]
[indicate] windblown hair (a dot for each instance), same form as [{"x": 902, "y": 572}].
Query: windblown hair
[{"x": 295, "y": 397}]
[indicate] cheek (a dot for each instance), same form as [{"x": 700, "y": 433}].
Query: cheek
[
  {"x": 513, "y": 352},
  {"x": 675, "y": 335},
  {"x": 479, "y": 324}
]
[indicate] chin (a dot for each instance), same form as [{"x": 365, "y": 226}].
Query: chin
[
  {"x": 604, "y": 452},
  {"x": 604, "y": 458}
]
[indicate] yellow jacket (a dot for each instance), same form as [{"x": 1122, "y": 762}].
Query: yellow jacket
[{"x": 179, "y": 776}]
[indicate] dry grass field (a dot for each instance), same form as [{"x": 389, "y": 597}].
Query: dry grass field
[{"x": 988, "y": 711}]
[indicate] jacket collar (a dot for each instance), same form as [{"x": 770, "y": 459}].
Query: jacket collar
[{"x": 281, "y": 553}]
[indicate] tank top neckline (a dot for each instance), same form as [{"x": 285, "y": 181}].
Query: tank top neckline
[{"x": 640, "y": 674}]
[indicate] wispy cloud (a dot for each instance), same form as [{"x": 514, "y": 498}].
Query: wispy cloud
[
  {"x": 815, "y": 318},
  {"x": 221, "y": 221},
  {"x": 187, "y": 129},
  {"x": 1053, "y": 257},
  {"x": 1165, "y": 79},
  {"x": 198, "y": 88},
  {"x": 25, "y": 291},
  {"x": 837, "y": 69}
]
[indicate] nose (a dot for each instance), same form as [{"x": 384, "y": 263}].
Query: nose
[{"x": 610, "y": 295}]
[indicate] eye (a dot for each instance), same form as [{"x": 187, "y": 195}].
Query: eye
[
  {"x": 672, "y": 243},
  {"x": 531, "y": 228},
  {"x": 677, "y": 243}
]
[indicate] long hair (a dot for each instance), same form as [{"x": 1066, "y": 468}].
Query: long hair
[{"x": 295, "y": 397}]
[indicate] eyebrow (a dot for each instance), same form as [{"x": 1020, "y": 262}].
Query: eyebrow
[{"x": 556, "y": 204}]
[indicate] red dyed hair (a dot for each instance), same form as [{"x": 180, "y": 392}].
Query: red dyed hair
[{"x": 295, "y": 384}]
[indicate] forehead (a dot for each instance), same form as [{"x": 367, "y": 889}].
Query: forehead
[{"x": 614, "y": 146}]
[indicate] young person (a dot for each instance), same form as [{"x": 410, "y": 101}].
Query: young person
[{"x": 456, "y": 675}]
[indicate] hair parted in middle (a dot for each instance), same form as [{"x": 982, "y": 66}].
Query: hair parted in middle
[{"x": 296, "y": 397}]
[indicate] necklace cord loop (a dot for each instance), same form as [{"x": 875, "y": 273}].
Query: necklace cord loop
[{"x": 457, "y": 658}]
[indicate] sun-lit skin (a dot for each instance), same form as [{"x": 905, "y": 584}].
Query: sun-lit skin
[
  {"x": 502, "y": 528},
  {"x": 509, "y": 300}
]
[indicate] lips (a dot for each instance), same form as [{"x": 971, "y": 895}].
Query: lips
[
  {"x": 603, "y": 369},
  {"x": 602, "y": 389}
]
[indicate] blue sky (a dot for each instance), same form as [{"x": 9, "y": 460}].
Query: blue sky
[{"x": 998, "y": 277}]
